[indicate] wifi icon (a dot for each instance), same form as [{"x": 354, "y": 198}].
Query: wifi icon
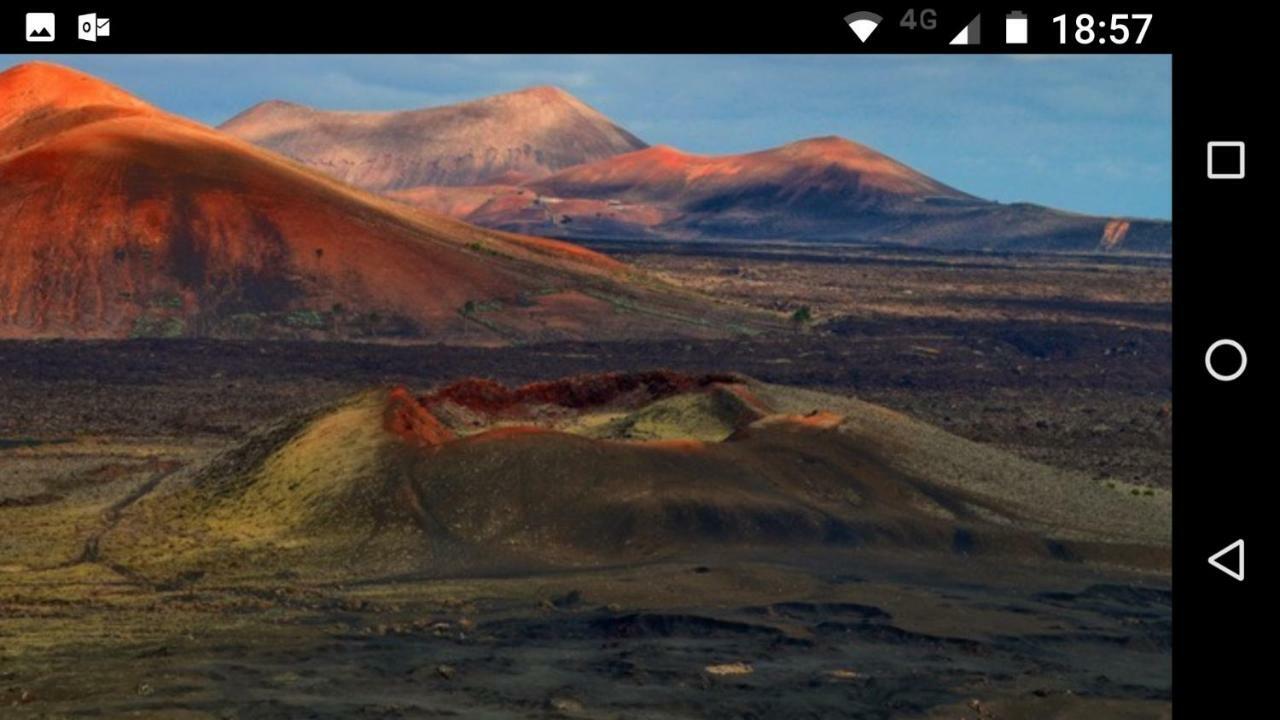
[{"x": 863, "y": 23}]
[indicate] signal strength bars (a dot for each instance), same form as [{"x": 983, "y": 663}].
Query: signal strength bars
[{"x": 970, "y": 34}]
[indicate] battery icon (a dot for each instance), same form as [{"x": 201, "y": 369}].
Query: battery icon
[{"x": 1015, "y": 28}]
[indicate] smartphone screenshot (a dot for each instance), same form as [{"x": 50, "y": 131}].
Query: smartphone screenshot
[{"x": 634, "y": 362}]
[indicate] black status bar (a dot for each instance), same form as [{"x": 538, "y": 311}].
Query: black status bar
[{"x": 853, "y": 27}]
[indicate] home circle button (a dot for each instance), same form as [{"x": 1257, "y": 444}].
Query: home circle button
[{"x": 1232, "y": 371}]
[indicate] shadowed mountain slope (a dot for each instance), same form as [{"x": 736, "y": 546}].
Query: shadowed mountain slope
[{"x": 820, "y": 189}]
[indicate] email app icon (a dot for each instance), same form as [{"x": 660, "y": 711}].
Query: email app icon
[{"x": 92, "y": 27}]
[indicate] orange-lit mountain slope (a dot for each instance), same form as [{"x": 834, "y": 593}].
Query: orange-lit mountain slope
[{"x": 119, "y": 219}]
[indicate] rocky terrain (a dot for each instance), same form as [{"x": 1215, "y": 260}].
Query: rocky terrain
[
  {"x": 655, "y": 542},
  {"x": 1072, "y": 379}
]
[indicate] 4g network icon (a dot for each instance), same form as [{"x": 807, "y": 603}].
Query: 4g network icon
[
  {"x": 864, "y": 22},
  {"x": 91, "y": 27}
]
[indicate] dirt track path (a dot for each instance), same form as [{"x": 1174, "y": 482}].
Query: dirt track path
[{"x": 111, "y": 517}]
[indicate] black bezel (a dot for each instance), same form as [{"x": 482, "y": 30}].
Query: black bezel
[{"x": 1220, "y": 266}]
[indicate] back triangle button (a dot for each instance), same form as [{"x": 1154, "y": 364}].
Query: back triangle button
[{"x": 1230, "y": 560}]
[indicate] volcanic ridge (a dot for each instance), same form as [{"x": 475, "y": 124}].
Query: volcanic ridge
[{"x": 615, "y": 468}]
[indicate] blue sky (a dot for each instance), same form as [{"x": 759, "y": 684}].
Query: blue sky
[{"x": 1090, "y": 133}]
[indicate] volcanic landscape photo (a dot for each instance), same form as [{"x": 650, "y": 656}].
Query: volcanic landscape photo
[{"x": 585, "y": 387}]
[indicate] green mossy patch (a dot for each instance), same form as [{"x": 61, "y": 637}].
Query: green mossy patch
[{"x": 153, "y": 326}]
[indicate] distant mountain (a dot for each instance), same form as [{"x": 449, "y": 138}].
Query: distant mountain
[
  {"x": 540, "y": 161},
  {"x": 506, "y": 138},
  {"x": 118, "y": 219},
  {"x": 828, "y": 173},
  {"x": 820, "y": 189}
]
